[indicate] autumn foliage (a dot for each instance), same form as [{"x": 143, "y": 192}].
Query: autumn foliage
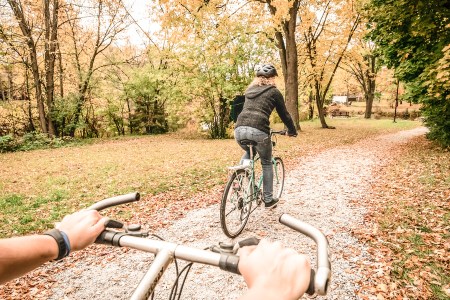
[{"x": 409, "y": 226}]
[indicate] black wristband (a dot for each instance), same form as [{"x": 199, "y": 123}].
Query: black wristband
[{"x": 63, "y": 250}]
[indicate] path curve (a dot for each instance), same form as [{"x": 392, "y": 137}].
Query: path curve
[{"x": 321, "y": 190}]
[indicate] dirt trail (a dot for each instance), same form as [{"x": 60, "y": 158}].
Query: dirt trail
[{"x": 322, "y": 190}]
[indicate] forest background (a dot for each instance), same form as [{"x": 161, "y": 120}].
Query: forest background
[{"x": 71, "y": 69}]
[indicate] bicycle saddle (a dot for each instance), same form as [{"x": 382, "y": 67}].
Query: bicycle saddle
[{"x": 246, "y": 142}]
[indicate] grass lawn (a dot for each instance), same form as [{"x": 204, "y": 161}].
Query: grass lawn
[{"x": 38, "y": 187}]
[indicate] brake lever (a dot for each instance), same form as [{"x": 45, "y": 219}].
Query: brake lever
[
  {"x": 110, "y": 223},
  {"x": 251, "y": 241}
]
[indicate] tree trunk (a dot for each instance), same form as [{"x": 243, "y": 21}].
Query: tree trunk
[
  {"x": 311, "y": 105},
  {"x": 27, "y": 33},
  {"x": 30, "y": 114},
  {"x": 396, "y": 102},
  {"x": 10, "y": 92},
  {"x": 319, "y": 102},
  {"x": 291, "y": 81},
  {"x": 369, "y": 104},
  {"x": 130, "y": 117},
  {"x": 224, "y": 113},
  {"x": 370, "y": 93},
  {"x": 287, "y": 47},
  {"x": 38, "y": 89},
  {"x": 51, "y": 36},
  {"x": 322, "y": 117},
  {"x": 61, "y": 73}
]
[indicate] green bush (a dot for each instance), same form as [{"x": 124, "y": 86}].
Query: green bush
[
  {"x": 436, "y": 113},
  {"x": 7, "y": 143},
  {"x": 32, "y": 141}
]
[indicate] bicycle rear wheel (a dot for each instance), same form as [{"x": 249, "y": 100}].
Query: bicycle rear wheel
[
  {"x": 278, "y": 177},
  {"x": 236, "y": 203}
]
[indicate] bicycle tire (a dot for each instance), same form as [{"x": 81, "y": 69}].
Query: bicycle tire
[
  {"x": 236, "y": 203},
  {"x": 278, "y": 177}
]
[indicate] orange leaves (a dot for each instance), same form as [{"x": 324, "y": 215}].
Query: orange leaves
[{"x": 409, "y": 210}]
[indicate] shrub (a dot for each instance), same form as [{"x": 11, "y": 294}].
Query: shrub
[
  {"x": 7, "y": 143},
  {"x": 405, "y": 115},
  {"x": 34, "y": 140}
]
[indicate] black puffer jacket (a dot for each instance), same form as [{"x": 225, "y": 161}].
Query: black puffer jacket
[{"x": 259, "y": 103}]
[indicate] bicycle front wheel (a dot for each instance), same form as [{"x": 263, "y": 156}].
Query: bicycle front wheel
[
  {"x": 278, "y": 177},
  {"x": 236, "y": 204}
]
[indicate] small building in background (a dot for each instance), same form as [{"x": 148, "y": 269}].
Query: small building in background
[
  {"x": 345, "y": 99},
  {"x": 339, "y": 99}
]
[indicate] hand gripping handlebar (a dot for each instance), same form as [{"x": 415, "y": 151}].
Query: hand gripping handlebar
[
  {"x": 165, "y": 251},
  {"x": 321, "y": 277}
]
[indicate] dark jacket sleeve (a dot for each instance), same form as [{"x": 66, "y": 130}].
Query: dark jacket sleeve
[{"x": 281, "y": 109}]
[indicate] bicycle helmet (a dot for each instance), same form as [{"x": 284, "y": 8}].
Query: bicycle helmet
[{"x": 267, "y": 71}]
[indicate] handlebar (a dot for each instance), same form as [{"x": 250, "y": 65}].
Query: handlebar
[
  {"x": 166, "y": 251},
  {"x": 282, "y": 132},
  {"x": 114, "y": 201},
  {"x": 319, "y": 281}
]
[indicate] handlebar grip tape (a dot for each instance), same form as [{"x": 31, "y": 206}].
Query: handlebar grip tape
[
  {"x": 229, "y": 263},
  {"x": 311, "y": 289}
]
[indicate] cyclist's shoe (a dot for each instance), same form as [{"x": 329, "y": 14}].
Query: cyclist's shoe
[{"x": 272, "y": 204}]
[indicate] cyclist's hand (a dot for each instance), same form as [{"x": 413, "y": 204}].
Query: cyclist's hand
[
  {"x": 82, "y": 228},
  {"x": 274, "y": 272}
]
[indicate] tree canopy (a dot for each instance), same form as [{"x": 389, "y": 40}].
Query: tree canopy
[
  {"x": 414, "y": 38},
  {"x": 80, "y": 76}
]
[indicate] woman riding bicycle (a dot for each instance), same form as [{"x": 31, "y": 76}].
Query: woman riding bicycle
[{"x": 261, "y": 98}]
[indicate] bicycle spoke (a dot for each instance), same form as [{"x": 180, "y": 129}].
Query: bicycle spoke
[{"x": 234, "y": 208}]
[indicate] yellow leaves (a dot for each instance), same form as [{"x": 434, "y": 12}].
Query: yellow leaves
[{"x": 282, "y": 8}]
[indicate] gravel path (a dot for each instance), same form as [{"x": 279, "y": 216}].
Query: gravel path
[{"x": 321, "y": 190}]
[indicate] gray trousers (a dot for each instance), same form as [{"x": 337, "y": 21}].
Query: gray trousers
[{"x": 264, "y": 149}]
